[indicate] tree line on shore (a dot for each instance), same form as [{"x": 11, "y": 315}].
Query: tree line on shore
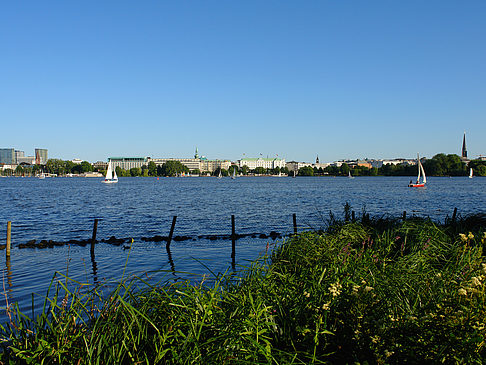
[{"x": 439, "y": 165}]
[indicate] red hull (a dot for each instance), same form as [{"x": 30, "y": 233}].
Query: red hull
[{"x": 416, "y": 185}]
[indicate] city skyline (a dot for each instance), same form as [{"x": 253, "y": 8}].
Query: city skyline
[{"x": 339, "y": 80}]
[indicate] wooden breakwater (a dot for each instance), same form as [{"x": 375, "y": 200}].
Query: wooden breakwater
[{"x": 233, "y": 236}]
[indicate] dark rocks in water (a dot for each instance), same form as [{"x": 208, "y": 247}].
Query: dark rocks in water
[
  {"x": 262, "y": 235},
  {"x": 3, "y": 247},
  {"x": 115, "y": 241},
  {"x": 274, "y": 235},
  {"x": 181, "y": 238},
  {"x": 31, "y": 242},
  {"x": 213, "y": 238},
  {"x": 42, "y": 244},
  {"x": 154, "y": 239}
]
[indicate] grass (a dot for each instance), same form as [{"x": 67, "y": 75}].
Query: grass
[{"x": 378, "y": 291}]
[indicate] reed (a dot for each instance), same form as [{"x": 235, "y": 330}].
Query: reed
[{"x": 379, "y": 291}]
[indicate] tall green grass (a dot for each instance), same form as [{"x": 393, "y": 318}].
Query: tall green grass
[{"x": 376, "y": 291}]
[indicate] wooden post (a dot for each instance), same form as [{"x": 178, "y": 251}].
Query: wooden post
[
  {"x": 9, "y": 236},
  {"x": 404, "y": 216},
  {"x": 93, "y": 238},
  {"x": 454, "y": 215},
  {"x": 169, "y": 240},
  {"x": 233, "y": 238},
  {"x": 295, "y": 223},
  {"x": 352, "y": 216}
]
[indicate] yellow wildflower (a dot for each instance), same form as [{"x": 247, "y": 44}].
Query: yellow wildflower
[
  {"x": 326, "y": 306},
  {"x": 476, "y": 281},
  {"x": 470, "y": 235},
  {"x": 463, "y": 237},
  {"x": 462, "y": 291},
  {"x": 335, "y": 289},
  {"x": 375, "y": 339}
]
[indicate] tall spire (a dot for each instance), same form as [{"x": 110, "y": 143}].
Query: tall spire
[
  {"x": 464, "y": 150},
  {"x": 317, "y": 159},
  {"x": 196, "y": 155}
]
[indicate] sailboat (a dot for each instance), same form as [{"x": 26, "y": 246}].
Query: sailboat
[
  {"x": 110, "y": 177},
  {"x": 421, "y": 172},
  {"x": 219, "y": 175},
  {"x": 234, "y": 174},
  {"x": 350, "y": 176},
  {"x": 470, "y": 173}
]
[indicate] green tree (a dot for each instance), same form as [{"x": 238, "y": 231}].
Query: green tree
[
  {"x": 244, "y": 170},
  {"x": 332, "y": 170},
  {"x": 481, "y": 170},
  {"x": 55, "y": 166},
  {"x": 260, "y": 170},
  {"x": 306, "y": 171},
  {"x": 86, "y": 166},
  {"x": 135, "y": 171},
  {"x": 233, "y": 168},
  {"x": 19, "y": 170},
  {"x": 344, "y": 169},
  {"x": 152, "y": 168},
  {"x": 172, "y": 168},
  {"x": 69, "y": 165}
]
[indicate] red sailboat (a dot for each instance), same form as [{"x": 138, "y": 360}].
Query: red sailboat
[{"x": 421, "y": 172}]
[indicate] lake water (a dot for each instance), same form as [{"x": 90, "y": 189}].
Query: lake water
[{"x": 63, "y": 209}]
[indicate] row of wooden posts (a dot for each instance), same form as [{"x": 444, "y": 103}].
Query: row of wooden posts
[{"x": 169, "y": 240}]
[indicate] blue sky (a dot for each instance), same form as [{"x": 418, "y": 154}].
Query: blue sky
[{"x": 341, "y": 79}]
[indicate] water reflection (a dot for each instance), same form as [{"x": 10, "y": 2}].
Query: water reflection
[
  {"x": 171, "y": 262},
  {"x": 9, "y": 277},
  {"x": 94, "y": 267}
]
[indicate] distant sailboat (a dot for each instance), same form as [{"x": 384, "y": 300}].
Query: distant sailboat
[
  {"x": 350, "y": 176},
  {"x": 233, "y": 176},
  {"x": 470, "y": 173},
  {"x": 421, "y": 172},
  {"x": 219, "y": 175},
  {"x": 111, "y": 176}
]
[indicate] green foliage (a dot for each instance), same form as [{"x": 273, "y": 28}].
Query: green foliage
[
  {"x": 478, "y": 166},
  {"x": 173, "y": 168},
  {"x": 244, "y": 170},
  {"x": 344, "y": 169},
  {"x": 306, "y": 171},
  {"x": 152, "y": 169},
  {"x": 260, "y": 171},
  {"x": 377, "y": 292},
  {"x": 86, "y": 166}
]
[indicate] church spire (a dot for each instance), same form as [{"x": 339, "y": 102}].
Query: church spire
[
  {"x": 464, "y": 150},
  {"x": 317, "y": 159}
]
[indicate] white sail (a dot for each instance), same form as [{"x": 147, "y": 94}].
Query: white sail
[
  {"x": 470, "y": 173},
  {"x": 109, "y": 172},
  {"x": 115, "y": 177},
  {"x": 423, "y": 172},
  {"x": 419, "y": 169}
]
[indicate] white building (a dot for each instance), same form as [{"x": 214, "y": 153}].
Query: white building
[
  {"x": 190, "y": 163},
  {"x": 127, "y": 163},
  {"x": 266, "y": 163}
]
